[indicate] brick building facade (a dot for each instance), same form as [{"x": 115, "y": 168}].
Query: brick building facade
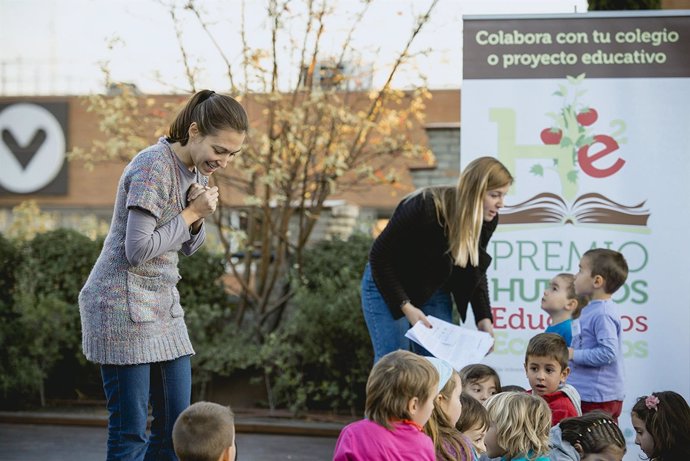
[{"x": 78, "y": 192}]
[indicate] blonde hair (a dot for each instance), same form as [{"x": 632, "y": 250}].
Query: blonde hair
[
  {"x": 440, "y": 430},
  {"x": 203, "y": 431},
  {"x": 396, "y": 379},
  {"x": 523, "y": 422},
  {"x": 460, "y": 209}
]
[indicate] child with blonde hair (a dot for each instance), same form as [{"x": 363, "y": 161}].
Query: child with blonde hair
[
  {"x": 400, "y": 392},
  {"x": 662, "y": 423},
  {"x": 519, "y": 429},
  {"x": 480, "y": 381},
  {"x": 594, "y": 436},
  {"x": 473, "y": 422},
  {"x": 450, "y": 444},
  {"x": 563, "y": 305},
  {"x": 205, "y": 431}
]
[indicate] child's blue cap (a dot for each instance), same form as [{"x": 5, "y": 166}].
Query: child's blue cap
[{"x": 445, "y": 371}]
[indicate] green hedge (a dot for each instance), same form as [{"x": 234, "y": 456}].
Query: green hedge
[
  {"x": 40, "y": 323},
  {"x": 40, "y": 330},
  {"x": 318, "y": 359},
  {"x": 321, "y": 357}
]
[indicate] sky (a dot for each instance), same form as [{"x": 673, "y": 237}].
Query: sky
[{"x": 59, "y": 46}]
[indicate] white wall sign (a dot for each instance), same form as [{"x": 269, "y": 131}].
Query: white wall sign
[{"x": 32, "y": 148}]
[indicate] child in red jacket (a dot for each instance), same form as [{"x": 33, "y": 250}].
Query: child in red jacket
[{"x": 546, "y": 365}]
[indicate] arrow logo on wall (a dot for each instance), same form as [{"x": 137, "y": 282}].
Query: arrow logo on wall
[
  {"x": 32, "y": 150},
  {"x": 24, "y": 154}
]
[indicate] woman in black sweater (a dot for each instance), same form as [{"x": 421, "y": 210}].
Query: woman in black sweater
[{"x": 433, "y": 246}]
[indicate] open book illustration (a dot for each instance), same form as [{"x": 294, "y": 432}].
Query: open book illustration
[
  {"x": 592, "y": 208},
  {"x": 456, "y": 345}
]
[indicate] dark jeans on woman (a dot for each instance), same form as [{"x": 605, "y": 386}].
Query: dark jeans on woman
[
  {"x": 127, "y": 391},
  {"x": 388, "y": 334}
]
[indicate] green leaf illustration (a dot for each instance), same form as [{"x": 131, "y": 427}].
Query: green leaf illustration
[
  {"x": 565, "y": 142},
  {"x": 537, "y": 170},
  {"x": 572, "y": 176}
]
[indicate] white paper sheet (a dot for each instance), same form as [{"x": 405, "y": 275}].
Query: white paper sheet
[{"x": 456, "y": 345}]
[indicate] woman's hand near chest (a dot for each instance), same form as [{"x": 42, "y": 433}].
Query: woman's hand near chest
[{"x": 201, "y": 203}]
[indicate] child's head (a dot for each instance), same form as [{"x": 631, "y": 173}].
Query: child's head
[
  {"x": 474, "y": 421},
  {"x": 447, "y": 407},
  {"x": 602, "y": 271},
  {"x": 546, "y": 363},
  {"x": 402, "y": 385},
  {"x": 560, "y": 300},
  {"x": 662, "y": 423},
  {"x": 512, "y": 388},
  {"x": 520, "y": 425},
  {"x": 205, "y": 431},
  {"x": 447, "y": 410},
  {"x": 480, "y": 381},
  {"x": 594, "y": 433}
]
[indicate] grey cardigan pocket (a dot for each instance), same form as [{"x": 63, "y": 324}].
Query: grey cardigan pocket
[
  {"x": 146, "y": 297},
  {"x": 176, "y": 310}
]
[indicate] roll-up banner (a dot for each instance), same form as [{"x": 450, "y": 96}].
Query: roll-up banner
[{"x": 591, "y": 114}]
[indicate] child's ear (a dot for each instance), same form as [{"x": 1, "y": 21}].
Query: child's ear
[
  {"x": 564, "y": 374},
  {"x": 413, "y": 406},
  {"x": 571, "y": 305},
  {"x": 578, "y": 449},
  {"x": 599, "y": 281},
  {"x": 227, "y": 455}
]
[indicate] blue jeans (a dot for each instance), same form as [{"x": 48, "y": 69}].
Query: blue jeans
[
  {"x": 388, "y": 334},
  {"x": 128, "y": 391}
]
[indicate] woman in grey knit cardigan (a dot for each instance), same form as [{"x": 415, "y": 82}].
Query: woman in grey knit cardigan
[{"x": 132, "y": 321}]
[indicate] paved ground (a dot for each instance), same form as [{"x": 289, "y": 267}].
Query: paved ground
[{"x": 28, "y": 442}]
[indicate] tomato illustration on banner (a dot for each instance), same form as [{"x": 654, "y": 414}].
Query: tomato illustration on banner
[{"x": 575, "y": 146}]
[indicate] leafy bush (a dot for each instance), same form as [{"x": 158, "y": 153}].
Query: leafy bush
[
  {"x": 321, "y": 357},
  {"x": 40, "y": 331},
  {"x": 318, "y": 359},
  {"x": 41, "y": 325},
  {"x": 9, "y": 258},
  {"x": 219, "y": 348},
  {"x": 57, "y": 263}
]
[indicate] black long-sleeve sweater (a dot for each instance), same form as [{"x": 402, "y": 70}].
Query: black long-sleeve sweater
[{"x": 410, "y": 260}]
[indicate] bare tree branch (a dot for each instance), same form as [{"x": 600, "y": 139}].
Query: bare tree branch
[
  {"x": 192, "y": 7},
  {"x": 189, "y": 72}
]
